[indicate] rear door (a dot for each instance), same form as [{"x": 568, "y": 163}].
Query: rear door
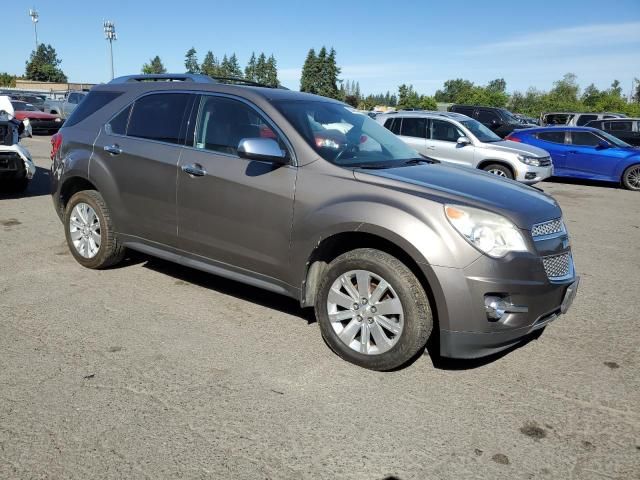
[
  {"x": 442, "y": 144},
  {"x": 141, "y": 147},
  {"x": 234, "y": 211},
  {"x": 554, "y": 142},
  {"x": 414, "y": 133}
]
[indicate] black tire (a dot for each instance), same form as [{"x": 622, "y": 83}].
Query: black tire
[
  {"x": 631, "y": 178},
  {"x": 497, "y": 167},
  {"x": 418, "y": 319},
  {"x": 110, "y": 251}
]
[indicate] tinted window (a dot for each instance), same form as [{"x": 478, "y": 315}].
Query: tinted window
[
  {"x": 445, "y": 131},
  {"x": 586, "y": 139},
  {"x": 621, "y": 126},
  {"x": 158, "y": 117},
  {"x": 486, "y": 116},
  {"x": 583, "y": 119},
  {"x": 393, "y": 124},
  {"x": 414, "y": 127},
  {"x": 553, "y": 137},
  {"x": 223, "y": 123},
  {"x": 597, "y": 124},
  {"x": 481, "y": 132},
  {"x": 93, "y": 102},
  {"x": 557, "y": 118},
  {"x": 463, "y": 110},
  {"x": 118, "y": 124}
]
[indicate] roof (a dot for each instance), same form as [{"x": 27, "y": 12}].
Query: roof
[
  {"x": 559, "y": 127},
  {"x": 425, "y": 114}
]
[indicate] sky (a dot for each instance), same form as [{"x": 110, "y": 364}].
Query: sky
[{"x": 380, "y": 44}]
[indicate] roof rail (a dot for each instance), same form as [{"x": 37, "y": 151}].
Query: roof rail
[
  {"x": 164, "y": 77},
  {"x": 243, "y": 81}
]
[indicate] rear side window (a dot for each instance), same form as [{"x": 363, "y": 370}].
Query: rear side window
[
  {"x": 92, "y": 102},
  {"x": 553, "y": 137},
  {"x": 468, "y": 111},
  {"x": 159, "y": 117},
  {"x": 393, "y": 124},
  {"x": 621, "y": 126},
  {"x": 414, "y": 127},
  {"x": 584, "y": 119},
  {"x": 586, "y": 139},
  {"x": 487, "y": 116}
]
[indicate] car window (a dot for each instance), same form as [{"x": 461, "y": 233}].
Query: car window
[
  {"x": 118, "y": 124},
  {"x": 414, "y": 127},
  {"x": 553, "y": 137},
  {"x": 393, "y": 124},
  {"x": 625, "y": 126},
  {"x": 468, "y": 111},
  {"x": 445, "y": 131},
  {"x": 583, "y": 119},
  {"x": 586, "y": 139},
  {"x": 557, "y": 118},
  {"x": 487, "y": 116},
  {"x": 73, "y": 98},
  {"x": 94, "y": 102},
  {"x": 224, "y": 122},
  {"x": 158, "y": 117}
]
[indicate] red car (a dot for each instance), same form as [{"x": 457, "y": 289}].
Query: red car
[{"x": 40, "y": 122}]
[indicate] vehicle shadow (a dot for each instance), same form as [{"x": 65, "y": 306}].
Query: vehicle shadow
[
  {"x": 579, "y": 181},
  {"x": 39, "y": 185}
]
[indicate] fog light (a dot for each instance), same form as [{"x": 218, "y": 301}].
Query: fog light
[
  {"x": 495, "y": 307},
  {"x": 530, "y": 175}
]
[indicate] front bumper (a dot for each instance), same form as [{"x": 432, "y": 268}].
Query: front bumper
[
  {"x": 16, "y": 162},
  {"x": 530, "y": 175}
]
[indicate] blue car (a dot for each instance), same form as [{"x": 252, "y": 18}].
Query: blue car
[{"x": 586, "y": 153}]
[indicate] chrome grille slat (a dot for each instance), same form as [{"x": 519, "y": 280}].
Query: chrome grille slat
[
  {"x": 548, "y": 228},
  {"x": 557, "y": 265}
]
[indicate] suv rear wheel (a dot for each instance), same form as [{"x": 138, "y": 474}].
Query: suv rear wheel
[
  {"x": 89, "y": 231},
  {"x": 499, "y": 170},
  {"x": 372, "y": 310}
]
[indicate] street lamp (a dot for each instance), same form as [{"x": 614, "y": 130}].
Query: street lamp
[
  {"x": 110, "y": 34},
  {"x": 33, "y": 13}
]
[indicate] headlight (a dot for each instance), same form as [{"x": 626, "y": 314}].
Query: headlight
[
  {"x": 488, "y": 232},
  {"x": 58, "y": 119},
  {"x": 533, "y": 161}
]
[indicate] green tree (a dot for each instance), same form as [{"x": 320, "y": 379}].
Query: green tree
[
  {"x": 262, "y": 69},
  {"x": 497, "y": 85},
  {"x": 636, "y": 92},
  {"x": 428, "y": 103},
  {"x": 453, "y": 90},
  {"x": 329, "y": 74},
  {"x": 591, "y": 96},
  {"x": 250, "y": 69},
  {"x": 154, "y": 66},
  {"x": 310, "y": 73},
  {"x": 234, "y": 67},
  {"x": 44, "y": 65},
  {"x": 7, "y": 80},
  {"x": 408, "y": 97},
  {"x": 191, "y": 61},
  {"x": 224, "y": 70},
  {"x": 271, "y": 72},
  {"x": 210, "y": 65}
]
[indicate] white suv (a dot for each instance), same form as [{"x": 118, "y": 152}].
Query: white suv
[{"x": 455, "y": 138}]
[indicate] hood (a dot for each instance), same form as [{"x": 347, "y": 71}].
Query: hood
[
  {"x": 22, "y": 114},
  {"x": 517, "y": 148},
  {"x": 523, "y": 205}
]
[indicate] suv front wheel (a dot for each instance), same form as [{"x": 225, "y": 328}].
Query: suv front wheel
[
  {"x": 372, "y": 310},
  {"x": 89, "y": 231},
  {"x": 499, "y": 170}
]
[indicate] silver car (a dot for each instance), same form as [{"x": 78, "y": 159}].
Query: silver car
[{"x": 455, "y": 138}]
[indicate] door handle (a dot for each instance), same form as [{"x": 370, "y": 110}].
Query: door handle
[
  {"x": 113, "y": 149},
  {"x": 572, "y": 151},
  {"x": 431, "y": 147},
  {"x": 195, "y": 169}
]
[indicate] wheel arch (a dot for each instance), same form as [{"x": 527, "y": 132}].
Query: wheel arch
[
  {"x": 504, "y": 163},
  {"x": 71, "y": 186}
]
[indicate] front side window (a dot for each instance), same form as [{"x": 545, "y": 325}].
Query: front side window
[
  {"x": 445, "y": 131},
  {"x": 224, "y": 122},
  {"x": 585, "y": 139},
  {"x": 487, "y": 116},
  {"x": 584, "y": 119},
  {"x": 159, "y": 117},
  {"x": 414, "y": 127},
  {"x": 481, "y": 132},
  {"x": 344, "y": 136},
  {"x": 553, "y": 137}
]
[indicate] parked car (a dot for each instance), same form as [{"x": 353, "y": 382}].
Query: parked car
[
  {"x": 40, "y": 122},
  {"x": 258, "y": 186},
  {"x": 64, "y": 106},
  {"x": 526, "y": 120},
  {"x": 35, "y": 100},
  {"x": 16, "y": 165},
  {"x": 574, "y": 119},
  {"x": 456, "y": 138},
  {"x": 626, "y": 129},
  {"x": 587, "y": 153},
  {"x": 501, "y": 121}
]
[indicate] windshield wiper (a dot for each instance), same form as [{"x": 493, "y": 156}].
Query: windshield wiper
[
  {"x": 418, "y": 161},
  {"x": 373, "y": 166}
]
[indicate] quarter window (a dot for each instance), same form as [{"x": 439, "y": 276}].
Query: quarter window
[
  {"x": 414, "y": 127},
  {"x": 586, "y": 139},
  {"x": 118, "y": 125},
  {"x": 159, "y": 117},
  {"x": 445, "y": 131},
  {"x": 553, "y": 137},
  {"x": 621, "y": 126},
  {"x": 223, "y": 123},
  {"x": 584, "y": 119}
]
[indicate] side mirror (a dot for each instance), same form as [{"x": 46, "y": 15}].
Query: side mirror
[
  {"x": 603, "y": 145},
  {"x": 263, "y": 149},
  {"x": 462, "y": 141}
]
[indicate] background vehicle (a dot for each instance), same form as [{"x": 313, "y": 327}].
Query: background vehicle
[
  {"x": 587, "y": 153},
  {"x": 456, "y": 138},
  {"x": 574, "y": 118},
  {"x": 271, "y": 188},
  {"x": 501, "y": 121},
  {"x": 626, "y": 129},
  {"x": 16, "y": 166},
  {"x": 40, "y": 122},
  {"x": 525, "y": 120},
  {"x": 65, "y": 106},
  {"x": 36, "y": 100}
]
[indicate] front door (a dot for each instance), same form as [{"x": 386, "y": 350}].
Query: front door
[
  {"x": 587, "y": 159},
  {"x": 232, "y": 210},
  {"x": 443, "y": 145}
]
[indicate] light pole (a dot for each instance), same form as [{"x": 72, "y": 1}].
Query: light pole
[
  {"x": 33, "y": 13},
  {"x": 110, "y": 34}
]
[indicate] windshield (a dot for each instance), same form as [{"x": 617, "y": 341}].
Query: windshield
[
  {"x": 615, "y": 140},
  {"x": 510, "y": 117},
  {"x": 343, "y": 136},
  {"x": 481, "y": 132}
]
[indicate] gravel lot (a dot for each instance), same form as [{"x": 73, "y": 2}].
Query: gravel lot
[{"x": 153, "y": 370}]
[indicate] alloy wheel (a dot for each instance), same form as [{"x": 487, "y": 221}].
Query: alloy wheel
[
  {"x": 633, "y": 178},
  {"x": 497, "y": 172},
  {"x": 84, "y": 227}
]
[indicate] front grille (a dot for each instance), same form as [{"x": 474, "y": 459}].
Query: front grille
[
  {"x": 545, "y": 162},
  {"x": 557, "y": 265},
  {"x": 548, "y": 228}
]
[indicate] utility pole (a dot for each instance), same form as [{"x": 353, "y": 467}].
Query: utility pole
[
  {"x": 33, "y": 13},
  {"x": 110, "y": 35}
]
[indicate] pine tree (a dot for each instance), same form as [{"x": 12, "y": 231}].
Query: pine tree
[
  {"x": 328, "y": 85},
  {"x": 225, "y": 67},
  {"x": 250, "y": 69},
  {"x": 308, "y": 78},
  {"x": 271, "y": 69},
  {"x": 356, "y": 92},
  {"x": 191, "y": 61},
  {"x": 234, "y": 67},
  {"x": 44, "y": 65},
  {"x": 261, "y": 69},
  {"x": 154, "y": 66},
  {"x": 210, "y": 65}
]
